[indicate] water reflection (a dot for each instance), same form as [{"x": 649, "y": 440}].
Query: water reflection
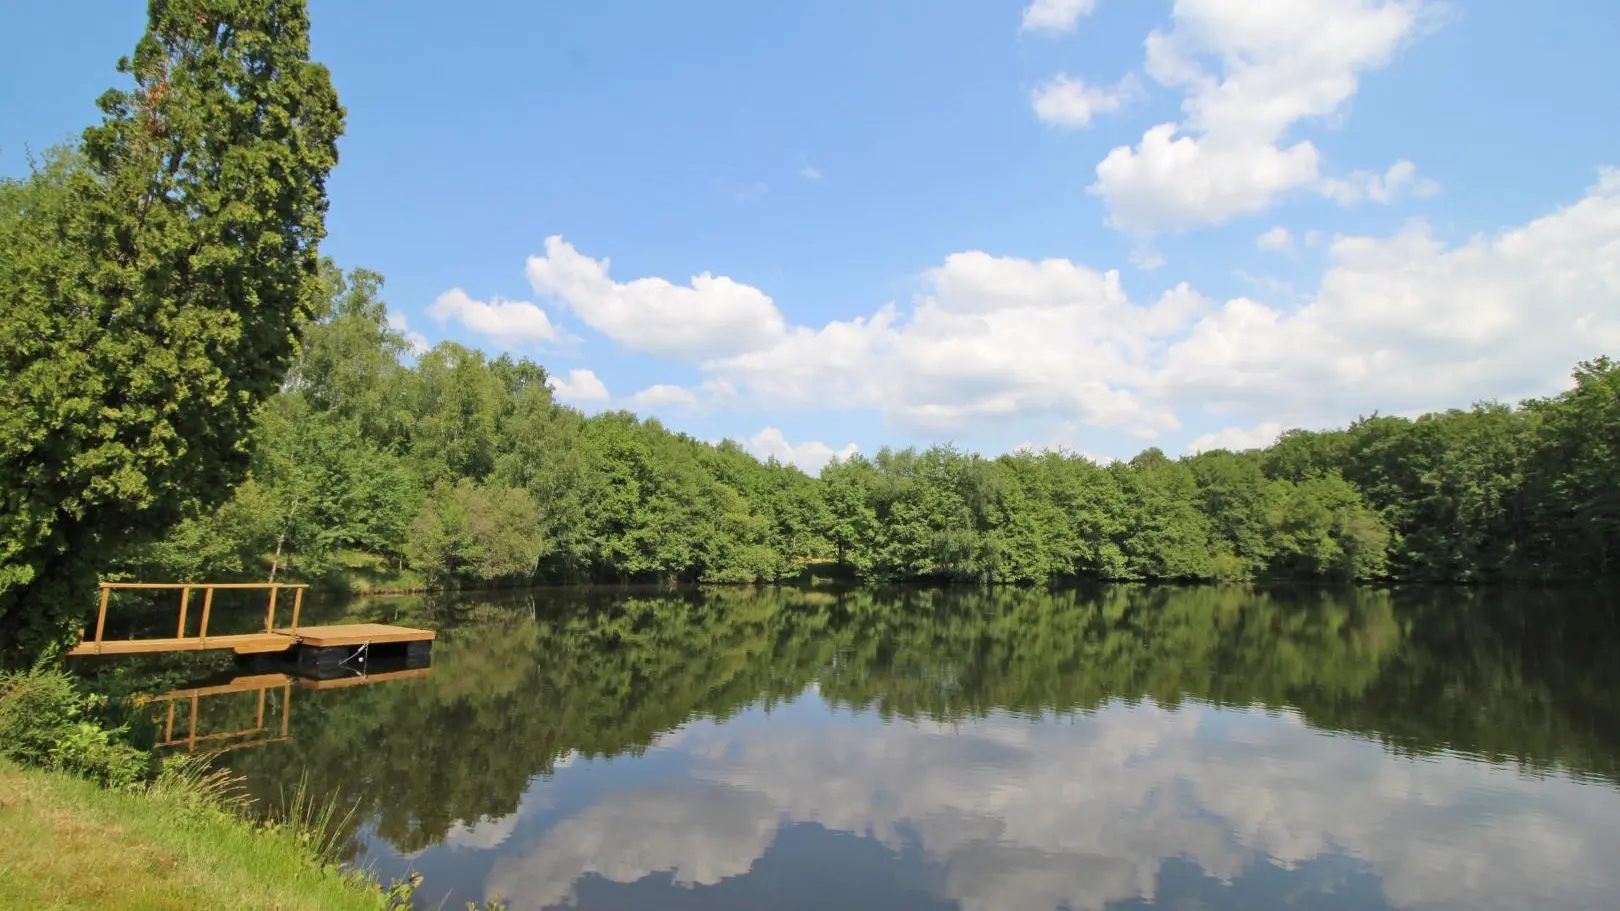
[{"x": 1124, "y": 748}]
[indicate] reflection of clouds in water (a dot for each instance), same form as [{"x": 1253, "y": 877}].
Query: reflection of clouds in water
[
  {"x": 1084, "y": 811},
  {"x": 702, "y": 834},
  {"x": 482, "y": 835}
]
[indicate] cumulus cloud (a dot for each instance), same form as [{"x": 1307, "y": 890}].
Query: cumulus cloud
[
  {"x": 504, "y": 320},
  {"x": 809, "y": 172},
  {"x": 1069, "y": 102},
  {"x": 416, "y": 341},
  {"x": 579, "y": 386},
  {"x": 664, "y": 395},
  {"x": 1278, "y": 238},
  {"x": 1056, "y": 15},
  {"x": 1400, "y": 180},
  {"x": 709, "y": 316},
  {"x": 1249, "y": 71},
  {"x": 810, "y": 456},
  {"x": 1397, "y": 323},
  {"x": 1238, "y": 439},
  {"x": 1406, "y": 323},
  {"x": 994, "y": 337},
  {"x": 1084, "y": 813}
]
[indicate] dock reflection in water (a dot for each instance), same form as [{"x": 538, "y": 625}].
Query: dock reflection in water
[
  {"x": 182, "y": 708},
  {"x": 1126, "y": 748}
]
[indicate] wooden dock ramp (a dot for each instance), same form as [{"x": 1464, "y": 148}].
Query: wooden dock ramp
[{"x": 318, "y": 639}]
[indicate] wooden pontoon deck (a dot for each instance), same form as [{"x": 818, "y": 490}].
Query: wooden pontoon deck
[{"x": 272, "y": 639}]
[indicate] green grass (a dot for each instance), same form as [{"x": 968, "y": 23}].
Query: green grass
[{"x": 67, "y": 843}]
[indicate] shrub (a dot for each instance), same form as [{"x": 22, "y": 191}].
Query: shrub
[{"x": 45, "y": 721}]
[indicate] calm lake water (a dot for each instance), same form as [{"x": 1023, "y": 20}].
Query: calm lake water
[{"x": 1119, "y": 748}]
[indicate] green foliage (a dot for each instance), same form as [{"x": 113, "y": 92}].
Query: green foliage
[
  {"x": 524, "y": 489},
  {"x": 474, "y": 532},
  {"x": 150, "y": 285},
  {"x": 45, "y": 721}
]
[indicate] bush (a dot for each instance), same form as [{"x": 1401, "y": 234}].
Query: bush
[{"x": 44, "y": 721}]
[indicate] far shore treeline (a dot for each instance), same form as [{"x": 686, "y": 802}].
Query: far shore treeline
[
  {"x": 464, "y": 470},
  {"x": 189, "y": 390}
]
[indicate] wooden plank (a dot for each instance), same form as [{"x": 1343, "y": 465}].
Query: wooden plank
[
  {"x": 262, "y": 586},
  {"x": 245, "y": 644},
  {"x": 363, "y": 679},
  {"x": 185, "y": 599},
  {"x": 357, "y": 634}
]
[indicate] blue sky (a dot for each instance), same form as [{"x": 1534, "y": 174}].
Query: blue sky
[{"x": 1069, "y": 208}]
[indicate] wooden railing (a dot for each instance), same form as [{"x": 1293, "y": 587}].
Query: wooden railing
[{"x": 208, "y": 588}]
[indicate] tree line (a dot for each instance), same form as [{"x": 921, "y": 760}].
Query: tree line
[{"x": 466, "y": 470}]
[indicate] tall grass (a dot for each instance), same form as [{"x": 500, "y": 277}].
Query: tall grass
[{"x": 322, "y": 824}]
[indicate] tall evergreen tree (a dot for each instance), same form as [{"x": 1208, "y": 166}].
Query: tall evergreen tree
[{"x": 149, "y": 290}]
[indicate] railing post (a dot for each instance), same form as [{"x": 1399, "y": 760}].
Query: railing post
[
  {"x": 101, "y": 616},
  {"x": 191, "y": 744},
  {"x": 298, "y": 605},
  {"x": 208, "y": 606},
  {"x": 185, "y": 599},
  {"x": 270, "y": 614},
  {"x": 259, "y": 724}
]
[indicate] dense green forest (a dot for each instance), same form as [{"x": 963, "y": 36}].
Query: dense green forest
[
  {"x": 464, "y": 470},
  {"x": 1523, "y": 678}
]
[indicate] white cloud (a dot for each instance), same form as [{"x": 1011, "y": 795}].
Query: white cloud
[
  {"x": 1277, "y": 238},
  {"x": 1396, "y": 323},
  {"x": 1250, "y": 71},
  {"x": 503, "y": 320},
  {"x": 1147, "y": 259},
  {"x": 994, "y": 338},
  {"x": 710, "y": 316},
  {"x": 811, "y": 456},
  {"x": 1069, "y": 102},
  {"x": 580, "y": 386},
  {"x": 416, "y": 341},
  {"x": 1406, "y": 323},
  {"x": 664, "y": 395},
  {"x": 1401, "y": 179},
  {"x": 1056, "y": 15},
  {"x": 810, "y": 173},
  {"x": 1238, "y": 439}
]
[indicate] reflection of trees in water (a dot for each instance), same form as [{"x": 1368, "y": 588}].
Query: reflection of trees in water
[{"x": 514, "y": 689}]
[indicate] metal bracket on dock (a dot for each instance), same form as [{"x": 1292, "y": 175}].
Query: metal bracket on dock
[{"x": 363, "y": 651}]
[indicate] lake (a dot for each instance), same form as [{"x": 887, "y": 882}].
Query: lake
[{"x": 1120, "y": 748}]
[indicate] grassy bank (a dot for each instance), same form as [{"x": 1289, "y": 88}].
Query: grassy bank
[{"x": 68, "y": 843}]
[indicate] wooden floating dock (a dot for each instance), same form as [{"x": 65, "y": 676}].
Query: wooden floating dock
[{"x": 324, "y": 643}]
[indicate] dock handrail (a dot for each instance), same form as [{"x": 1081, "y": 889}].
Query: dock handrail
[{"x": 208, "y": 588}]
